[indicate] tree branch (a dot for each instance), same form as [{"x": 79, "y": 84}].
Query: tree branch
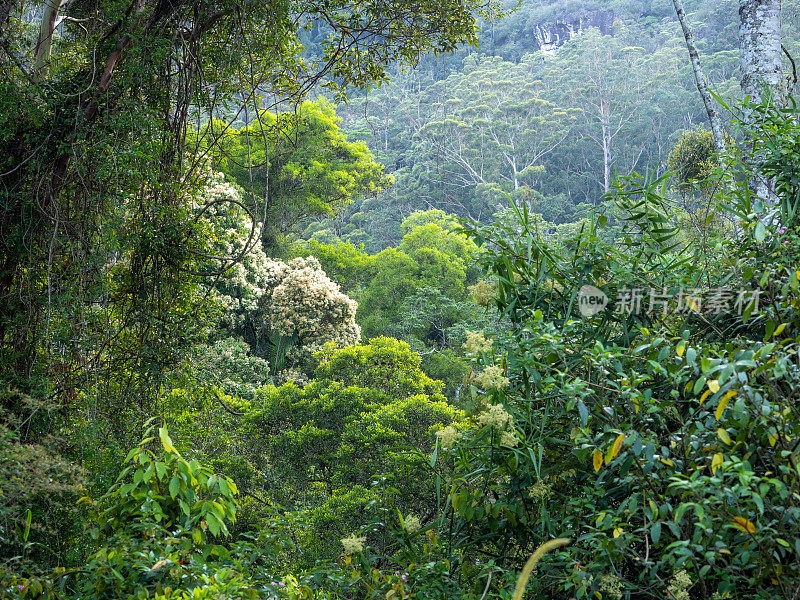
[{"x": 700, "y": 79}]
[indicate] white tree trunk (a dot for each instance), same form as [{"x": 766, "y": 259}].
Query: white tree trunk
[
  {"x": 606, "y": 159},
  {"x": 760, "y": 63},
  {"x": 760, "y": 48},
  {"x": 45, "y": 40}
]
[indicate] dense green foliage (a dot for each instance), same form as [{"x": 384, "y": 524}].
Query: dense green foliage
[
  {"x": 313, "y": 169},
  {"x": 276, "y": 325}
]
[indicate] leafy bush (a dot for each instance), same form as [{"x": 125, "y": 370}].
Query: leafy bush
[
  {"x": 37, "y": 502},
  {"x": 154, "y": 535},
  {"x": 662, "y": 442}
]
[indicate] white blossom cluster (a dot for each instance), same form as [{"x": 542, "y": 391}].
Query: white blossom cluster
[
  {"x": 492, "y": 378},
  {"x": 301, "y": 300},
  {"x": 476, "y": 343},
  {"x": 448, "y": 436},
  {"x": 230, "y": 363},
  {"x": 290, "y": 299},
  {"x": 296, "y": 376},
  {"x": 501, "y": 420},
  {"x": 496, "y": 416},
  {"x": 233, "y": 244},
  {"x": 412, "y": 524},
  {"x": 612, "y": 586},
  {"x": 679, "y": 585},
  {"x": 353, "y": 544},
  {"x": 484, "y": 293},
  {"x": 508, "y": 439},
  {"x": 540, "y": 490}
]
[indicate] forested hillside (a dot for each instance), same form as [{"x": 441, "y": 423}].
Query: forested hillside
[
  {"x": 399, "y": 299},
  {"x": 516, "y": 116}
]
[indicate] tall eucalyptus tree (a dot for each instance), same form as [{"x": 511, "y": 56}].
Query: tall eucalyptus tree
[
  {"x": 760, "y": 47},
  {"x": 761, "y": 72}
]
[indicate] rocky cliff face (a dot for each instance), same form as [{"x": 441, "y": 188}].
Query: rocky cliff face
[{"x": 548, "y": 37}]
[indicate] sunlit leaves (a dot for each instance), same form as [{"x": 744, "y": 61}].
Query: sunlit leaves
[
  {"x": 744, "y": 524},
  {"x": 294, "y": 167},
  {"x": 166, "y": 441},
  {"x": 724, "y": 436},
  {"x": 716, "y": 462},
  {"x": 597, "y": 460},
  {"x": 723, "y": 403}
]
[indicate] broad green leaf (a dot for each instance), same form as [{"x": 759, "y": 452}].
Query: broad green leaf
[
  {"x": 769, "y": 329},
  {"x": 655, "y": 532},
  {"x": 649, "y": 452},
  {"x": 699, "y": 384},
  {"x": 761, "y": 232},
  {"x": 214, "y": 524},
  {"x": 759, "y": 502},
  {"x": 174, "y": 487},
  {"x": 166, "y": 441},
  {"x": 583, "y": 412}
]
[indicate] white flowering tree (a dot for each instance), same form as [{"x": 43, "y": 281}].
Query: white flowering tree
[
  {"x": 302, "y": 309},
  {"x": 285, "y": 311},
  {"x": 234, "y": 263},
  {"x": 301, "y": 300}
]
